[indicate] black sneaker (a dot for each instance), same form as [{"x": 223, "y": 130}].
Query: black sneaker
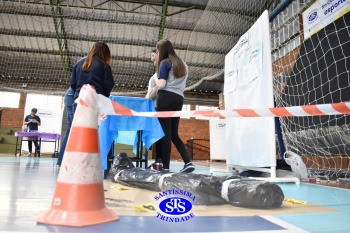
[{"x": 188, "y": 168}]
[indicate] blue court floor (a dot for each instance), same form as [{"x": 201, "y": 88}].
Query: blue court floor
[{"x": 27, "y": 186}]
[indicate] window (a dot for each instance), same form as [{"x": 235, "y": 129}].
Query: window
[
  {"x": 9, "y": 99},
  {"x": 44, "y": 101}
]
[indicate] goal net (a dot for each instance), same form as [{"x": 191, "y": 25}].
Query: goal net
[
  {"x": 312, "y": 71},
  {"x": 40, "y": 41},
  {"x": 306, "y": 71}
]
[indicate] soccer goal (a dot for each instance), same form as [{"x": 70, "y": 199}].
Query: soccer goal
[{"x": 311, "y": 65}]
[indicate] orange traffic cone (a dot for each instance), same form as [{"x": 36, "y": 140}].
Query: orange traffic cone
[{"x": 79, "y": 196}]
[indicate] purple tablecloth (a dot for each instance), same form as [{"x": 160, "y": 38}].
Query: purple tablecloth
[{"x": 36, "y": 135}]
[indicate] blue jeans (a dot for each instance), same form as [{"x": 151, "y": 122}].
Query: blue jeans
[{"x": 70, "y": 115}]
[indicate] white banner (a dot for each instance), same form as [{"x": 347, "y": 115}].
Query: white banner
[
  {"x": 322, "y": 13},
  {"x": 217, "y": 130},
  {"x": 248, "y": 84}
]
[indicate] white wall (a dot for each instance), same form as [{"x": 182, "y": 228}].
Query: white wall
[{"x": 50, "y": 110}]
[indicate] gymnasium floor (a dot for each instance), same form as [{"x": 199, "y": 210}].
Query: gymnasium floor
[{"x": 27, "y": 186}]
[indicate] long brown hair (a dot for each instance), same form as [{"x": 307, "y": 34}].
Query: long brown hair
[
  {"x": 166, "y": 51},
  {"x": 99, "y": 49}
]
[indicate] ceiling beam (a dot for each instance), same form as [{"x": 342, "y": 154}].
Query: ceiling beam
[
  {"x": 82, "y": 54},
  {"x": 183, "y": 27},
  {"x": 162, "y": 20},
  {"x": 61, "y": 37},
  {"x": 157, "y": 3},
  {"x": 111, "y": 40}
]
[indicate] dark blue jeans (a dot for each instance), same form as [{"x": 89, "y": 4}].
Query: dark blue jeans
[{"x": 70, "y": 115}]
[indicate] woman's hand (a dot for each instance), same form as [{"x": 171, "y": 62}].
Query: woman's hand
[{"x": 153, "y": 93}]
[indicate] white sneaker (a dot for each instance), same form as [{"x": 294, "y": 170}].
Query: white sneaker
[{"x": 29, "y": 155}]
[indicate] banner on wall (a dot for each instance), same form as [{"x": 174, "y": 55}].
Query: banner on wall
[
  {"x": 322, "y": 13},
  {"x": 248, "y": 84}
]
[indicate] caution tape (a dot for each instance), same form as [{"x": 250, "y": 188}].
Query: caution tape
[{"x": 89, "y": 97}]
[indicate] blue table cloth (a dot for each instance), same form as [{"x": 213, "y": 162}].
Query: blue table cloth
[{"x": 123, "y": 129}]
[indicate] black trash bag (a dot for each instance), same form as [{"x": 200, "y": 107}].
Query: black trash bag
[
  {"x": 206, "y": 188},
  {"x": 124, "y": 172},
  {"x": 120, "y": 162},
  {"x": 140, "y": 178},
  {"x": 253, "y": 194}
]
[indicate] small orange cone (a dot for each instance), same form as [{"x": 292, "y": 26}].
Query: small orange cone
[{"x": 79, "y": 196}]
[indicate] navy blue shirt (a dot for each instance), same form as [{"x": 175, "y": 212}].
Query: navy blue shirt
[
  {"x": 99, "y": 76},
  {"x": 32, "y": 126}
]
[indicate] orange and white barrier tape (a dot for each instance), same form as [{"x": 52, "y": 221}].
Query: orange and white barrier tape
[{"x": 110, "y": 107}]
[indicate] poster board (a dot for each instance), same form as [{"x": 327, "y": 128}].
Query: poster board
[
  {"x": 248, "y": 84},
  {"x": 217, "y": 130}
]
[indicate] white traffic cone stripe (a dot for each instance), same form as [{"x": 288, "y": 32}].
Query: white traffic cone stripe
[
  {"x": 85, "y": 117},
  {"x": 81, "y": 168}
]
